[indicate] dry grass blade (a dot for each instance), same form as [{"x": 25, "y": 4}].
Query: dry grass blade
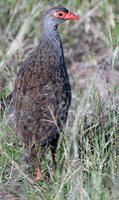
[{"x": 91, "y": 11}]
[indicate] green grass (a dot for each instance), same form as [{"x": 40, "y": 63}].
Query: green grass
[
  {"x": 87, "y": 154},
  {"x": 90, "y": 176}
]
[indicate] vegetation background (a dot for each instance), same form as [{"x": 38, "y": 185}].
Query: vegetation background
[{"x": 88, "y": 151}]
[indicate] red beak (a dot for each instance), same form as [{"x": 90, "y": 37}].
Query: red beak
[{"x": 71, "y": 16}]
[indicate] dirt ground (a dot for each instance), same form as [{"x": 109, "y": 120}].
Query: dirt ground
[{"x": 91, "y": 60}]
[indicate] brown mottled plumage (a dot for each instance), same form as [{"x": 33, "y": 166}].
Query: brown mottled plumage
[{"x": 42, "y": 93}]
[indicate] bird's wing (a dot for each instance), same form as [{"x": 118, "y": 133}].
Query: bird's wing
[{"x": 37, "y": 103}]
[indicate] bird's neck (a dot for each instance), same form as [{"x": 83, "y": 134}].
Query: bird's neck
[
  {"x": 51, "y": 35},
  {"x": 50, "y": 44}
]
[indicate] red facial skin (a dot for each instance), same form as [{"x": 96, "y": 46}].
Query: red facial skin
[{"x": 65, "y": 16}]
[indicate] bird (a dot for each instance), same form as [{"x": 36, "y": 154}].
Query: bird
[{"x": 42, "y": 92}]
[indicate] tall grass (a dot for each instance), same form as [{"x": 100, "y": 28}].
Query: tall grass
[{"x": 86, "y": 158}]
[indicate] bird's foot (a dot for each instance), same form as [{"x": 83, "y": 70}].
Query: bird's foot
[{"x": 38, "y": 175}]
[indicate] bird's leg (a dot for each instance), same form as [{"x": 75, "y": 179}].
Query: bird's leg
[
  {"x": 38, "y": 175},
  {"x": 40, "y": 151},
  {"x": 35, "y": 150},
  {"x": 53, "y": 151},
  {"x": 53, "y": 147}
]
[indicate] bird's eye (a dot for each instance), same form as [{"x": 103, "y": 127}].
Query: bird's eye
[{"x": 60, "y": 14}]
